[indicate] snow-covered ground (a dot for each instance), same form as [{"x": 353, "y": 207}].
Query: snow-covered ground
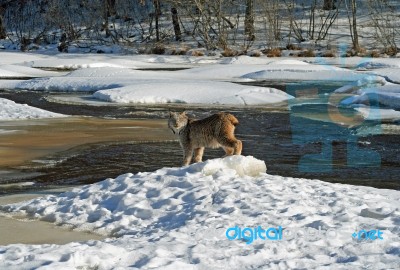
[
  {"x": 17, "y": 71},
  {"x": 177, "y": 218},
  {"x": 200, "y": 92},
  {"x": 300, "y": 70}
]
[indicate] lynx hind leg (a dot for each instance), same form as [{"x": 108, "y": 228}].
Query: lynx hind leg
[
  {"x": 187, "y": 157},
  {"x": 232, "y": 144},
  {"x": 238, "y": 148},
  {"x": 228, "y": 151},
  {"x": 198, "y": 154},
  {"x": 229, "y": 141}
]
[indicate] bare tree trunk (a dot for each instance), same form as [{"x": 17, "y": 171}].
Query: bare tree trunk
[
  {"x": 356, "y": 45},
  {"x": 175, "y": 23},
  {"x": 249, "y": 20},
  {"x": 352, "y": 16},
  {"x": 106, "y": 14},
  {"x": 110, "y": 7},
  {"x": 157, "y": 13},
  {"x": 3, "y": 32},
  {"x": 311, "y": 29}
]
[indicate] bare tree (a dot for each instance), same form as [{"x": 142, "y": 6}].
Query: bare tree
[
  {"x": 351, "y": 7},
  {"x": 175, "y": 23},
  {"x": 326, "y": 20},
  {"x": 110, "y": 7},
  {"x": 385, "y": 16},
  {"x": 26, "y": 19},
  {"x": 311, "y": 25},
  {"x": 249, "y": 20},
  {"x": 309, "y": 20},
  {"x": 157, "y": 13},
  {"x": 3, "y": 32},
  {"x": 273, "y": 21}
]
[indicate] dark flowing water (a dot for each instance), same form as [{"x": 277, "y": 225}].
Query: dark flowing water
[{"x": 305, "y": 141}]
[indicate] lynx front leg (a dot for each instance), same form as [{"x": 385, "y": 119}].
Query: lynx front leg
[
  {"x": 198, "y": 154},
  {"x": 187, "y": 156}
]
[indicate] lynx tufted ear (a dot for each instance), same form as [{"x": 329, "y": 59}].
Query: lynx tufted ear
[
  {"x": 183, "y": 113},
  {"x": 170, "y": 114}
]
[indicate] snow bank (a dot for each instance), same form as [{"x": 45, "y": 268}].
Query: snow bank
[
  {"x": 218, "y": 72},
  {"x": 374, "y": 98},
  {"x": 248, "y": 166},
  {"x": 378, "y": 114},
  {"x": 245, "y": 60},
  {"x": 123, "y": 85},
  {"x": 388, "y": 68},
  {"x": 251, "y": 69},
  {"x": 200, "y": 92},
  {"x": 91, "y": 79},
  {"x": 299, "y": 70},
  {"x": 391, "y": 74},
  {"x": 75, "y": 63},
  {"x": 133, "y": 204},
  {"x": 367, "y": 82},
  {"x": 9, "y": 110},
  {"x": 114, "y": 79},
  {"x": 176, "y": 218},
  {"x": 78, "y": 61},
  {"x": 379, "y": 63},
  {"x": 16, "y": 71},
  {"x": 387, "y": 96}
]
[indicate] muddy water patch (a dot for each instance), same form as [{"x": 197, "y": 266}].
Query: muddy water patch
[
  {"x": 92, "y": 163},
  {"x": 36, "y": 145},
  {"x": 37, "y": 138},
  {"x": 21, "y": 230}
]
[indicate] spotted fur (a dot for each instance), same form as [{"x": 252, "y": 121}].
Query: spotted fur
[{"x": 213, "y": 132}]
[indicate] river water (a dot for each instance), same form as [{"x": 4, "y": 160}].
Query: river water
[{"x": 304, "y": 138}]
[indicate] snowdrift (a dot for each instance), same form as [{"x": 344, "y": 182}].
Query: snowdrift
[
  {"x": 134, "y": 204},
  {"x": 176, "y": 218}
]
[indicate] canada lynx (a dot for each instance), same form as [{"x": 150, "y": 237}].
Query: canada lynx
[{"x": 214, "y": 131}]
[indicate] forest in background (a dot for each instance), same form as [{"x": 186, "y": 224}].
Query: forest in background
[{"x": 232, "y": 25}]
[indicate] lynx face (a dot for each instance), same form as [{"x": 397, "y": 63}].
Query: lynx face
[{"x": 177, "y": 121}]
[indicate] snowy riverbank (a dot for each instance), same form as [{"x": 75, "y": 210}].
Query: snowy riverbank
[
  {"x": 206, "y": 80},
  {"x": 176, "y": 218}
]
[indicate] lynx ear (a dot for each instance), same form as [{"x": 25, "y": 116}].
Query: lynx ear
[
  {"x": 183, "y": 113},
  {"x": 170, "y": 114}
]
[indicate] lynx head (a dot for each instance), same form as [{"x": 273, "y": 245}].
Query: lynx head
[{"x": 177, "y": 121}]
